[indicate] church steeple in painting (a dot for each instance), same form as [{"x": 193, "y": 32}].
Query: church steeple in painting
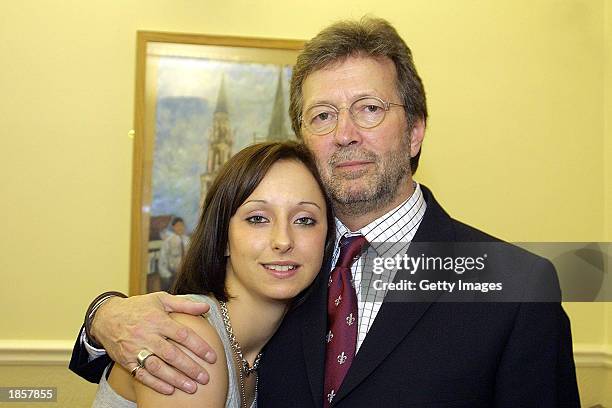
[
  {"x": 276, "y": 130},
  {"x": 220, "y": 140}
]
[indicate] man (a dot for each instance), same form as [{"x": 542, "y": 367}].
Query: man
[
  {"x": 428, "y": 353},
  {"x": 172, "y": 251}
]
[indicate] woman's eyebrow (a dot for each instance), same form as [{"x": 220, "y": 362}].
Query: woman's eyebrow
[
  {"x": 300, "y": 203},
  {"x": 309, "y": 202},
  {"x": 255, "y": 201}
]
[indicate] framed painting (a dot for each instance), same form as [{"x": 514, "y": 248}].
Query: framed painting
[{"x": 199, "y": 99}]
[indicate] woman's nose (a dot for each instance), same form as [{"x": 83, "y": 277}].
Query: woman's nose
[{"x": 281, "y": 238}]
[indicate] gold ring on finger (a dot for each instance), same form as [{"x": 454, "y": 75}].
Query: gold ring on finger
[
  {"x": 142, "y": 356},
  {"x": 135, "y": 371}
]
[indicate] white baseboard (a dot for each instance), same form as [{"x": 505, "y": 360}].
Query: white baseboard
[
  {"x": 593, "y": 355},
  {"x": 35, "y": 352},
  {"x": 57, "y": 352}
]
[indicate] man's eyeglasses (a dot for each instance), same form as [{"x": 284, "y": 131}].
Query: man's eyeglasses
[{"x": 367, "y": 112}]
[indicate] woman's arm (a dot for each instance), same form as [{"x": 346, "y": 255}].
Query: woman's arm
[{"x": 211, "y": 395}]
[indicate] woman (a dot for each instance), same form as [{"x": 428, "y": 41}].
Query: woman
[{"x": 265, "y": 231}]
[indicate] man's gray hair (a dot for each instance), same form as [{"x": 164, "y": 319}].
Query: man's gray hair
[{"x": 369, "y": 37}]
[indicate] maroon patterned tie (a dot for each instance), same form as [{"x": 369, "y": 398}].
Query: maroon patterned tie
[{"x": 341, "y": 336}]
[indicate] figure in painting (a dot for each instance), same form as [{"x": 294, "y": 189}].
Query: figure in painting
[{"x": 172, "y": 252}]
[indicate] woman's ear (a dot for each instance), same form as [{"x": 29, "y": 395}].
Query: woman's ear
[{"x": 227, "y": 253}]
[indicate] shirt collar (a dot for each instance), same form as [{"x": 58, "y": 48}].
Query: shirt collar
[{"x": 398, "y": 225}]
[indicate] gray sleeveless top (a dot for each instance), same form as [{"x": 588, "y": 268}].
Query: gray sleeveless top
[{"x": 106, "y": 397}]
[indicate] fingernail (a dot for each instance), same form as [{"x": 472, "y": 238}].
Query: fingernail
[
  {"x": 190, "y": 387},
  {"x": 210, "y": 357},
  {"x": 202, "y": 378}
]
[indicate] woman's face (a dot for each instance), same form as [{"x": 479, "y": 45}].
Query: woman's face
[{"x": 277, "y": 236}]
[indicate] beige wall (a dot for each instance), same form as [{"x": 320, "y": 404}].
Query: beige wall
[
  {"x": 608, "y": 174},
  {"x": 518, "y": 142},
  {"x": 608, "y": 120}
]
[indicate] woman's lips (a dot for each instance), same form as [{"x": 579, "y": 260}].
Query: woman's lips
[{"x": 281, "y": 270}]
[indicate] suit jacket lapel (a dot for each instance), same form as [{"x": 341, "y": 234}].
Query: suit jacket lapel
[
  {"x": 395, "y": 320},
  {"x": 314, "y": 326}
]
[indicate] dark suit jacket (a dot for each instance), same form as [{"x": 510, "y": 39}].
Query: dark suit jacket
[
  {"x": 425, "y": 354},
  {"x": 433, "y": 354}
]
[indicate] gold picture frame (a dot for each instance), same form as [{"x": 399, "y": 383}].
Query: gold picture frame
[{"x": 198, "y": 99}]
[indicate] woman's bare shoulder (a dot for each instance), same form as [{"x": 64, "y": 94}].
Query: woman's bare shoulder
[{"x": 214, "y": 393}]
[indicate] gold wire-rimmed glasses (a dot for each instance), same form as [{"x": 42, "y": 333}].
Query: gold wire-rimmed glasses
[{"x": 367, "y": 112}]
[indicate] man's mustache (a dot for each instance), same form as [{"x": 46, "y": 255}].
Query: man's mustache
[{"x": 345, "y": 155}]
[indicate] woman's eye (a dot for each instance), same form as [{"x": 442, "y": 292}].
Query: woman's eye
[
  {"x": 306, "y": 221},
  {"x": 257, "y": 219}
]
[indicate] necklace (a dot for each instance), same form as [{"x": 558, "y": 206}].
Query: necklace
[
  {"x": 245, "y": 366},
  {"x": 245, "y": 369}
]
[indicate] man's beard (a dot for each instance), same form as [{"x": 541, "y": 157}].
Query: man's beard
[{"x": 360, "y": 192}]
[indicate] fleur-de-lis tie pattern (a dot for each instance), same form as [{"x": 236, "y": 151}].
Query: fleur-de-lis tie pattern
[{"x": 341, "y": 337}]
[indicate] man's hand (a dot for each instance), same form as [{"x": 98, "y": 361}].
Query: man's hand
[{"x": 126, "y": 326}]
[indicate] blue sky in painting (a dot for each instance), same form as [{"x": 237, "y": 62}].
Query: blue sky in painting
[{"x": 186, "y": 99}]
